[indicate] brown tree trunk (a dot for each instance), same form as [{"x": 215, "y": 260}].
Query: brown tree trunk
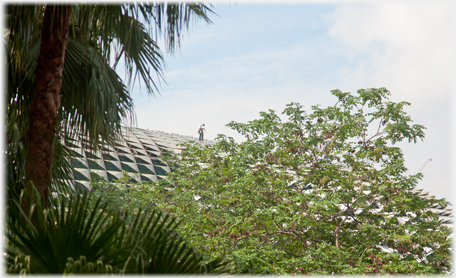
[
  {"x": 337, "y": 233},
  {"x": 46, "y": 100},
  {"x": 337, "y": 236}
]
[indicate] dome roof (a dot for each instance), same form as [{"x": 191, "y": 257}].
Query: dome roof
[{"x": 137, "y": 152}]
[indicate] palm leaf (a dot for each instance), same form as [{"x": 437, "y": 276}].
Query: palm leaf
[
  {"x": 172, "y": 18},
  {"x": 80, "y": 235},
  {"x": 93, "y": 108},
  {"x": 65, "y": 230},
  {"x": 82, "y": 266},
  {"x": 159, "y": 248}
]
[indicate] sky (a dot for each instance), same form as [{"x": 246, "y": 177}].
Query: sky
[{"x": 260, "y": 56}]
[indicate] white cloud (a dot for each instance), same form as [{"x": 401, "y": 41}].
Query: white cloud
[
  {"x": 410, "y": 47},
  {"x": 407, "y": 48}
]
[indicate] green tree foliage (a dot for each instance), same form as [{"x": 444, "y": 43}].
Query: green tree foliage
[{"x": 318, "y": 193}]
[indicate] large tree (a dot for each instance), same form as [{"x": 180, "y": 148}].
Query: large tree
[
  {"x": 61, "y": 77},
  {"x": 325, "y": 192}
]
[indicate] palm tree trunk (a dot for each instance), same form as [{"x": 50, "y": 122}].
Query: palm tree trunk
[{"x": 46, "y": 100}]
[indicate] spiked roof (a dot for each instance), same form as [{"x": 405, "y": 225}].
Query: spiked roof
[{"x": 137, "y": 152}]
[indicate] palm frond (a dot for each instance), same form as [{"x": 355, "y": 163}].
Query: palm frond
[
  {"x": 172, "y": 18},
  {"x": 142, "y": 54},
  {"x": 161, "y": 250},
  {"x": 69, "y": 229},
  {"x": 62, "y": 169},
  {"x": 80, "y": 235},
  {"x": 132, "y": 30},
  {"x": 16, "y": 157},
  {"x": 82, "y": 266},
  {"x": 20, "y": 32},
  {"x": 95, "y": 101},
  {"x": 217, "y": 266}
]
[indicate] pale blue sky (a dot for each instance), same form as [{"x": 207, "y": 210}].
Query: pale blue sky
[{"x": 256, "y": 57}]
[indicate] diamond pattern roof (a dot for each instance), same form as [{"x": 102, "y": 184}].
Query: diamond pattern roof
[{"x": 136, "y": 152}]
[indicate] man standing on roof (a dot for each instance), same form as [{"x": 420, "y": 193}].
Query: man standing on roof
[{"x": 201, "y": 131}]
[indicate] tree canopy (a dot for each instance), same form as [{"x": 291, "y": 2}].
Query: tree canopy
[{"x": 324, "y": 192}]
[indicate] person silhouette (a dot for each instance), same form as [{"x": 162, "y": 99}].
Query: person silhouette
[{"x": 201, "y": 131}]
